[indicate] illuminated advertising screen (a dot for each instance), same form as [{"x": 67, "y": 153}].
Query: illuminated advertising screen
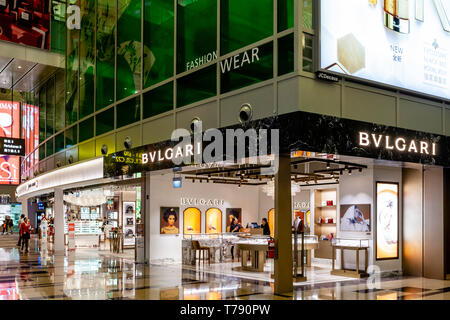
[
  {"x": 387, "y": 221},
  {"x": 9, "y": 128},
  {"x": 30, "y": 128},
  {"x": 25, "y": 22},
  {"x": 9, "y": 119},
  {"x": 9, "y": 170},
  {"x": 400, "y": 43}
]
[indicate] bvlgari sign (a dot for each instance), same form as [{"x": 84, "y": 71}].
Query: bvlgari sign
[
  {"x": 400, "y": 144},
  {"x": 201, "y": 202}
]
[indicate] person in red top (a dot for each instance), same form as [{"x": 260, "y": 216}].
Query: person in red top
[{"x": 25, "y": 234}]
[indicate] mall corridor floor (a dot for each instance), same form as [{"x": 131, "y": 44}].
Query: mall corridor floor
[{"x": 92, "y": 274}]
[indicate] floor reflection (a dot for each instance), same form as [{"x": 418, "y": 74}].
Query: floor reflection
[{"x": 92, "y": 274}]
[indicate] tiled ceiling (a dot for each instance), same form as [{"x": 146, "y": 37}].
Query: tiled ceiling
[{"x": 23, "y": 75}]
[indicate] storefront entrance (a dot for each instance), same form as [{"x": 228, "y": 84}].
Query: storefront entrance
[
  {"x": 351, "y": 211},
  {"x": 104, "y": 217}
]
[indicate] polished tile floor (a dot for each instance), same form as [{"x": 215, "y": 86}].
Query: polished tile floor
[{"x": 90, "y": 274}]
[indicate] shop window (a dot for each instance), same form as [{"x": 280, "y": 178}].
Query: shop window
[
  {"x": 72, "y": 73},
  {"x": 59, "y": 142},
  {"x": 308, "y": 14},
  {"x": 71, "y": 135},
  {"x": 49, "y": 147},
  {"x": 213, "y": 221},
  {"x": 158, "y": 101},
  {"x": 128, "y": 49},
  {"x": 244, "y": 22},
  {"x": 60, "y": 88},
  {"x": 87, "y": 57},
  {"x": 104, "y": 122},
  {"x": 86, "y": 129},
  {"x": 50, "y": 108},
  {"x": 196, "y": 33},
  {"x": 42, "y": 109},
  {"x": 308, "y": 52},
  {"x": 285, "y": 14},
  {"x": 158, "y": 41},
  {"x": 286, "y": 54},
  {"x": 105, "y": 38},
  {"x": 128, "y": 112},
  {"x": 247, "y": 68},
  {"x": 192, "y": 221},
  {"x": 197, "y": 86}
]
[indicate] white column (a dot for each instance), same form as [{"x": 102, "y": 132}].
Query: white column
[{"x": 59, "y": 220}]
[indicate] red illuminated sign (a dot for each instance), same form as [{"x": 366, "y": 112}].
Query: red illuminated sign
[
  {"x": 9, "y": 128},
  {"x": 9, "y": 170}
]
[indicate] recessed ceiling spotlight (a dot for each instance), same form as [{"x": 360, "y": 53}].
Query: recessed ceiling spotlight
[
  {"x": 328, "y": 165},
  {"x": 349, "y": 172},
  {"x": 19, "y": 67}
]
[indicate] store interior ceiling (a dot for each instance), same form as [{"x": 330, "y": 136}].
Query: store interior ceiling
[
  {"x": 305, "y": 171},
  {"x": 22, "y": 75},
  {"x": 322, "y": 169}
]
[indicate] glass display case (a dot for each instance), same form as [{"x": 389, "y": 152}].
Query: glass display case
[
  {"x": 356, "y": 245},
  {"x": 85, "y": 227},
  {"x": 350, "y": 243},
  {"x": 309, "y": 239},
  {"x": 219, "y": 244},
  {"x": 84, "y": 213},
  {"x": 87, "y": 233}
]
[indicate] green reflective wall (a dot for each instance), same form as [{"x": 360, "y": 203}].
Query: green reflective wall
[
  {"x": 105, "y": 58},
  {"x": 244, "y": 22},
  {"x": 87, "y": 57},
  {"x": 128, "y": 48},
  {"x": 196, "y": 33},
  {"x": 132, "y": 60},
  {"x": 72, "y": 73},
  {"x": 158, "y": 41}
]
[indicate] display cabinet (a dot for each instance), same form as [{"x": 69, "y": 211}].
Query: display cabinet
[
  {"x": 220, "y": 244},
  {"x": 325, "y": 217},
  {"x": 87, "y": 233},
  {"x": 356, "y": 245}
]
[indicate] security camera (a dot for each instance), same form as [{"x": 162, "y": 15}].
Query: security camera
[
  {"x": 70, "y": 160},
  {"x": 104, "y": 150},
  {"x": 196, "y": 121},
  {"x": 245, "y": 113},
  {"x": 58, "y": 163},
  {"x": 128, "y": 143}
]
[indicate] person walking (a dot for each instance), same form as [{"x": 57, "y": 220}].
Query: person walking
[
  {"x": 11, "y": 226},
  {"x": 25, "y": 233},
  {"x": 5, "y": 225},
  {"x": 19, "y": 243}
]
